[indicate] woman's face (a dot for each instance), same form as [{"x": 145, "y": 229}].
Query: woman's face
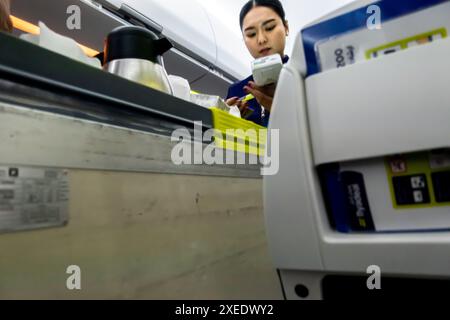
[{"x": 264, "y": 32}]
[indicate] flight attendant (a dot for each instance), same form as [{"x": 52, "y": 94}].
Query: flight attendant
[{"x": 264, "y": 28}]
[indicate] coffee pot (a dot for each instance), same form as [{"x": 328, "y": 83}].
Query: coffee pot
[{"x": 135, "y": 53}]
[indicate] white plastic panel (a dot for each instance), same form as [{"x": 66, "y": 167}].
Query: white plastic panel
[
  {"x": 185, "y": 22},
  {"x": 418, "y": 254},
  {"x": 288, "y": 205},
  {"x": 394, "y": 104},
  {"x": 300, "y": 237}
]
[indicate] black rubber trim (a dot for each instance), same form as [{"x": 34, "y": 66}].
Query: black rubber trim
[{"x": 281, "y": 283}]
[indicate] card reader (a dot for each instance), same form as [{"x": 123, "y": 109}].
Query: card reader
[{"x": 266, "y": 70}]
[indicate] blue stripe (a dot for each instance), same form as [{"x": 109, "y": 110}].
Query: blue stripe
[
  {"x": 335, "y": 197},
  {"x": 357, "y": 19}
]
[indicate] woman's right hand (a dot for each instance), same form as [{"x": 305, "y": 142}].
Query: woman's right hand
[{"x": 242, "y": 105}]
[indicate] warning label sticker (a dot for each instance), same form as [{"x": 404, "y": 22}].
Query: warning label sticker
[{"x": 32, "y": 198}]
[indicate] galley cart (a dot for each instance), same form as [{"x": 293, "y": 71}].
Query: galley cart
[{"x": 397, "y": 104}]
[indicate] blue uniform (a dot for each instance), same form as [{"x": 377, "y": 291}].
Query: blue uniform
[{"x": 259, "y": 116}]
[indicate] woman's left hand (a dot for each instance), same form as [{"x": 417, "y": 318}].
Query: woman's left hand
[{"x": 264, "y": 95}]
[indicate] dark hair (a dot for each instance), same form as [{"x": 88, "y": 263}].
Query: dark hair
[
  {"x": 5, "y": 20},
  {"x": 275, "y": 5}
]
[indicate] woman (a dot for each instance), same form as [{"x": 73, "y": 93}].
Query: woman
[
  {"x": 5, "y": 20},
  {"x": 264, "y": 27}
]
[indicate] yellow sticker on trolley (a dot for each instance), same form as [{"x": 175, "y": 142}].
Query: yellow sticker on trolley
[{"x": 238, "y": 134}]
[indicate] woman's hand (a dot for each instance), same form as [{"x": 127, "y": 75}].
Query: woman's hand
[
  {"x": 242, "y": 105},
  {"x": 264, "y": 95}
]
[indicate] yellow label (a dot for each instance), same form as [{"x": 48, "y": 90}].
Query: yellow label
[
  {"x": 406, "y": 43},
  {"x": 239, "y": 134}
]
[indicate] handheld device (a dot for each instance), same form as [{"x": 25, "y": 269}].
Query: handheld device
[{"x": 266, "y": 70}]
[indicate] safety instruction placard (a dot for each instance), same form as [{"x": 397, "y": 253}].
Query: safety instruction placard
[
  {"x": 33, "y": 197},
  {"x": 420, "y": 180},
  {"x": 404, "y": 192}
]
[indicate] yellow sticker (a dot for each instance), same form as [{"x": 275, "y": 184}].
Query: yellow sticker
[
  {"x": 419, "y": 180},
  {"x": 406, "y": 43}
]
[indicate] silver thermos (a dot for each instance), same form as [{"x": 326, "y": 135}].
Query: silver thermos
[{"x": 135, "y": 53}]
